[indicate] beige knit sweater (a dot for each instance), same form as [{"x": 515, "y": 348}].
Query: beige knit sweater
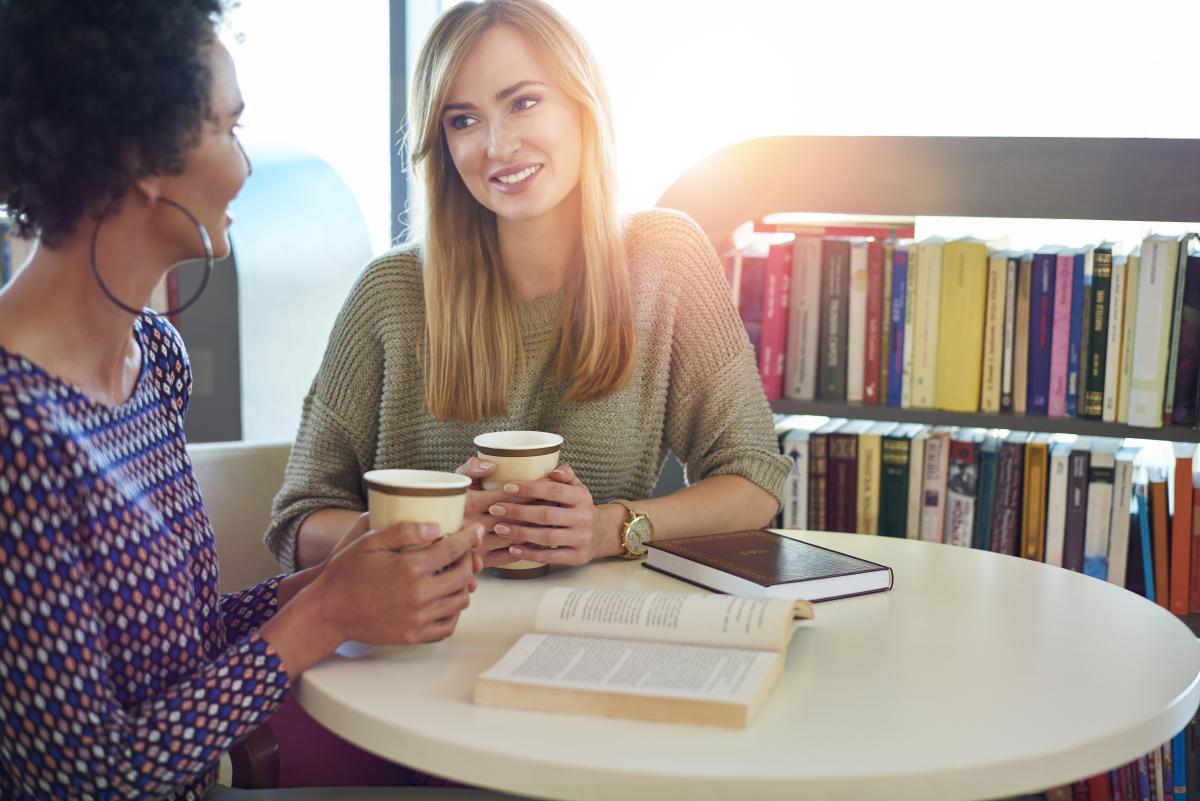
[{"x": 695, "y": 389}]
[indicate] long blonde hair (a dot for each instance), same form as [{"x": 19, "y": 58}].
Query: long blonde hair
[{"x": 472, "y": 346}]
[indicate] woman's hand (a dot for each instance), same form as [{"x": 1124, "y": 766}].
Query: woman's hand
[
  {"x": 555, "y": 513},
  {"x": 378, "y": 589},
  {"x": 493, "y": 550}
]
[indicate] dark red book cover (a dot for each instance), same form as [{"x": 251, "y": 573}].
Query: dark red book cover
[
  {"x": 1010, "y": 491},
  {"x": 842, "y": 487},
  {"x": 1187, "y": 371},
  {"x": 818, "y": 479},
  {"x": 874, "y": 336}
]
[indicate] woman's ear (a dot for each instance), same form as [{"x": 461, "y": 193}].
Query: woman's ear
[{"x": 148, "y": 188}]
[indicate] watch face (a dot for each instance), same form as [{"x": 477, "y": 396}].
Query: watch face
[{"x": 640, "y": 532}]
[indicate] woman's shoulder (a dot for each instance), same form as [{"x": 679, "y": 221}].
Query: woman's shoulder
[
  {"x": 391, "y": 281},
  {"x": 668, "y": 241}
]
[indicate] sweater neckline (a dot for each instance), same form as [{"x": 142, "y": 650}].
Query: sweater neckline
[{"x": 541, "y": 314}]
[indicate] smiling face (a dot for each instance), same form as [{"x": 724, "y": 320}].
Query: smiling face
[
  {"x": 515, "y": 138},
  {"x": 215, "y": 168}
]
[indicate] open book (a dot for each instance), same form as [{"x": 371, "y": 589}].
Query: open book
[{"x": 680, "y": 657}]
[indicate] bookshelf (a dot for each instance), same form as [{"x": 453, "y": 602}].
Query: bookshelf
[{"x": 1153, "y": 180}]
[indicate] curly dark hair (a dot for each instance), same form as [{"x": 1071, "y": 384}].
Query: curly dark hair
[{"x": 95, "y": 94}]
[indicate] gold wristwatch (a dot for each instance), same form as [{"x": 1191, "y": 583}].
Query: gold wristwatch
[{"x": 635, "y": 532}]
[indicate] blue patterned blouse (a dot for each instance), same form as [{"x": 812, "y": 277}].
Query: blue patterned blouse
[{"x": 125, "y": 673}]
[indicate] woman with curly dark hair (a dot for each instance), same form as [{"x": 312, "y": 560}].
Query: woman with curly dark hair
[{"x": 125, "y": 673}]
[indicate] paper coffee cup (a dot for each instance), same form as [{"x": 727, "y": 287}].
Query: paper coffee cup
[
  {"x": 416, "y": 496},
  {"x": 519, "y": 456}
]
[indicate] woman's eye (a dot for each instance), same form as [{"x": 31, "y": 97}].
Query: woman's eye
[
  {"x": 461, "y": 122},
  {"x": 525, "y": 103}
]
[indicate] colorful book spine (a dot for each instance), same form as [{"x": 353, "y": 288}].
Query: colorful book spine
[
  {"x": 933, "y": 503},
  {"x": 874, "y": 325},
  {"x": 910, "y": 326},
  {"x": 835, "y": 274},
  {"x": 1181, "y": 529},
  {"x": 1160, "y": 521},
  {"x": 1074, "y": 329},
  {"x": 1010, "y": 487},
  {"x": 885, "y": 326},
  {"x": 1152, "y": 347},
  {"x": 1041, "y": 330},
  {"x": 842, "y": 488},
  {"x": 1056, "y": 503},
  {"x": 1182, "y": 248},
  {"x": 1097, "y": 331},
  {"x": 1099, "y": 510},
  {"x": 795, "y": 489},
  {"x": 893, "y": 483},
  {"x": 870, "y": 476},
  {"x": 1141, "y": 493},
  {"x": 804, "y": 320},
  {"x": 1187, "y": 366},
  {"x": 916, "y": 482},
  {"x": 856, "y": 325},
  {"x": 1060, "y": 345},
  {"x": 1194, "y": 576},
  {"x": 961, "y": 320},
  {"x": 962, "y": 488},
  {"x": 989, "y": 452},
  {"x": 1033, "y": 518},
  {"x": 818, "y": 479},
  {"x": 927, "y": 309},
  {"x": 1116, "y": 322},
  {"x": 1077, "y": 505},
  {"x": 1129, "y": 321},
  {"x": 896, "y": 327},
  {"x": 1007, "y": 365},
  {"x": 1118, "y": 542}
]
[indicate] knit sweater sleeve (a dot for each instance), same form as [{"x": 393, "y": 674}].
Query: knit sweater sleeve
[
  {"x": 335, "y": 443},
  {"x": 718, "y": 420}
]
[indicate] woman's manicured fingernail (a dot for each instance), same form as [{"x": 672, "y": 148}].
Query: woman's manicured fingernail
[
  {"x": 558, "y": 474},
  {"x": 515, "y": 551},
  {"x": 501, "y": 529},
  {"x": 478, "y": 533},
  {"x": 511, "y": 489},
  {"x": 486, "y": 465},
  {"x": 428, "y": 530},
  {"x": 497, "y": 510}
]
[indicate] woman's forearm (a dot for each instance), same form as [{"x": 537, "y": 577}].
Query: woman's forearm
[
  {"x": 710, "y": 506},
  {"x": 320, "y": 532},
  {"x": 300, "y": 632}
]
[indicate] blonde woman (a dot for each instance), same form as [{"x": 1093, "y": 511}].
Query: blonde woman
[{"x": 528, "y": 303}]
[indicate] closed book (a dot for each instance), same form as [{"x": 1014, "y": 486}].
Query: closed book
[
  {"x": 804, "y": 320},
  {"x": 1151, "y": 348},
  {"x": 1084, "y": 328},
  {"x": 1185, "y": 244},
  {"x": 993, "y": 334},
  {"x": 1160, "y": 521},
  {"x": 962, "y": 486},
  {"x": 1010, "y": 490},
  {"x": 794, "y": 443},
  {"x": 1097, "y": 332},
  {"x": 874, "y": 328},
  {"x": 916, "y": 483},
  {"x": 1033, "y": 514},
  {"x": 1194, "y": 576},
  {"x": 1187, "y": 364},
  {"x": 856, "y": 326},
  {"x": 818, "y": 474},
  {"x": 910, "y": 326},
  {"x": 1099, "y": 511},
  {"x": 760, "y": 563},
  {"x": 961, "y": 319},
  {"x": 894, "y": 480},
  {"x": 1141, "y": 496},
  {"x": 1128, "y": 333},
  {"x": 1012, "y": 267},
  {"x": 1079, "y": 260},
  {"x": 885, "y": 310},
  {"x": 989, "y": 453},
  {"x": 1116, "y": 320},
  {"x": 678, "y": 635},
  {"x": 933, "y": 488},
  {"x": 925, "y": 258},
  {"x": 1077, "y": 504},
  {"x": 1056, "y": 503},
  {"x": 1122, "y": 499},
  {"x": 1041, "y": 329},
  {"x": 1064, "y": 276},
  {"x": 842, "y": 489},
  {"x": 870, "y": 451},
  {"x": 1021, "y": 344},
  {"x": 766, "y": 273},
  {"x": 835, "y": 281},
  {"x": 1181, "y": 529},
  {"x": 896, "y": 327}
]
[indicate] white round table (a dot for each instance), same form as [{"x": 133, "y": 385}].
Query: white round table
[{"x": 977, "y": 676}]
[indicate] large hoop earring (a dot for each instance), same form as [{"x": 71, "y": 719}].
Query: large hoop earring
[{"x": 208, "y": 265}]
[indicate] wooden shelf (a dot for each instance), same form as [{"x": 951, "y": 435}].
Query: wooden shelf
[{"x": 1014, "y": 422}]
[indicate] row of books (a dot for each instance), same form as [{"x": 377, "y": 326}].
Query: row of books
[
  {"x": 854, "y": 311},
  {"x": 1168, "y": 773},
  {"x": 1088, "y": 505}
]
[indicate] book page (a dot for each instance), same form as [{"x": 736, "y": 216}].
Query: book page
[
  {"x": 605, "y": 665},
  {"x": 729, "y": 621}
]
